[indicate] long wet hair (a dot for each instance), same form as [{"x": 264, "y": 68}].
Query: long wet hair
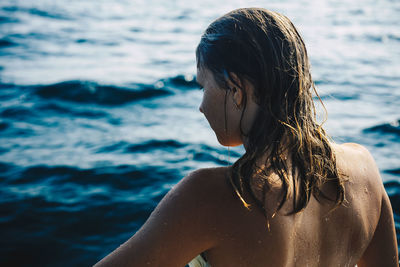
[{"x": 264, "y": 48}]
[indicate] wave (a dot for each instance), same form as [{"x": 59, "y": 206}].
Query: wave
[
  {"x": 393, "y": 171},
  {"x": 339, "y": 96},
  {"x": 154, "y": 144},
  {"x": 6, "y": 85},
  {"x": 36, "y": 12},
  {"x": 148, "y": 146},
  {"x": 386, "y": 128},
  {"x": 76, "y": 112},
  {"x": 121, "y": 177},
  {"x": 4, "y": 126},
  {"x": 182, "y": 81},
  {"x": 16, "y": 113},
  {"x": 41, "y": 111},
  {"x": 5, "y": 168},
  {"x": 94, "y": 93},
  {"x": 91, "y": 92},
  {"x": 4, "y": 19},
  {"x": 6, "y": 43}
]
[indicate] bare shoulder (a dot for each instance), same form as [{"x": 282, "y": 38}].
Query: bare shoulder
[
  {"x": 207, "y": 197},
  {"x": 201, "y": 183},
  {"x": 357, "y": 163},
  {"x": 354, "y": 150},
  {"x": 208, "y": 174},
  {"x": 198, "y": 197}
]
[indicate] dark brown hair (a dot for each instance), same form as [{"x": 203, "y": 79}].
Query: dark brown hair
[{"x": 264, "y": 48}]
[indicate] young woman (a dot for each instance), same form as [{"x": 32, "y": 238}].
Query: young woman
[{"x": 294, "y": 198}]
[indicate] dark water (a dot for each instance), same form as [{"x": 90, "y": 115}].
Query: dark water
[{"x": 98, "y": 111}]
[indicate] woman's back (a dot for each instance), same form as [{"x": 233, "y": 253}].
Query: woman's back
[{"x": 317, "y": 236}]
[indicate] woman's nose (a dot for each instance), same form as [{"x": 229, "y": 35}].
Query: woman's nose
[{"x": 201, "y": 109}]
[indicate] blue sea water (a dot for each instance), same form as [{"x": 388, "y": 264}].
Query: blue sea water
[{"x": 99, "y": 110}]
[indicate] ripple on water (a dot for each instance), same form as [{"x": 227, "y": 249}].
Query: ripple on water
[{"x": 386, "y": 128}]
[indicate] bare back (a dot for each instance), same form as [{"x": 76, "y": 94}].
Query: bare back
[{"x": 317, "y": 236}]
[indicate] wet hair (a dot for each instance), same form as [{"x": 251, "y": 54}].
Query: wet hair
[{"x": 265, "y": 49}]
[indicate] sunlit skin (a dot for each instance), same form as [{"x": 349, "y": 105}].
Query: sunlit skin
[{"x": 203, "y": 214}]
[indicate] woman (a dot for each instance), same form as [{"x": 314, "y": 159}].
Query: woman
[{"x": 293, "y": 198}]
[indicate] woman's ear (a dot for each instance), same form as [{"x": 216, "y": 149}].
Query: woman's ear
[
  {"x": 237, "y": 95},
  {"x": 236, "y": 88}
]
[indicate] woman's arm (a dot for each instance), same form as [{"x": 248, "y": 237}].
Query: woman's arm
[{"x": 176, "y": 231}]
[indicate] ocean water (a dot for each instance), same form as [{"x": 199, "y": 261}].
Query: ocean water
[{"x": 99, "y": 110}]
